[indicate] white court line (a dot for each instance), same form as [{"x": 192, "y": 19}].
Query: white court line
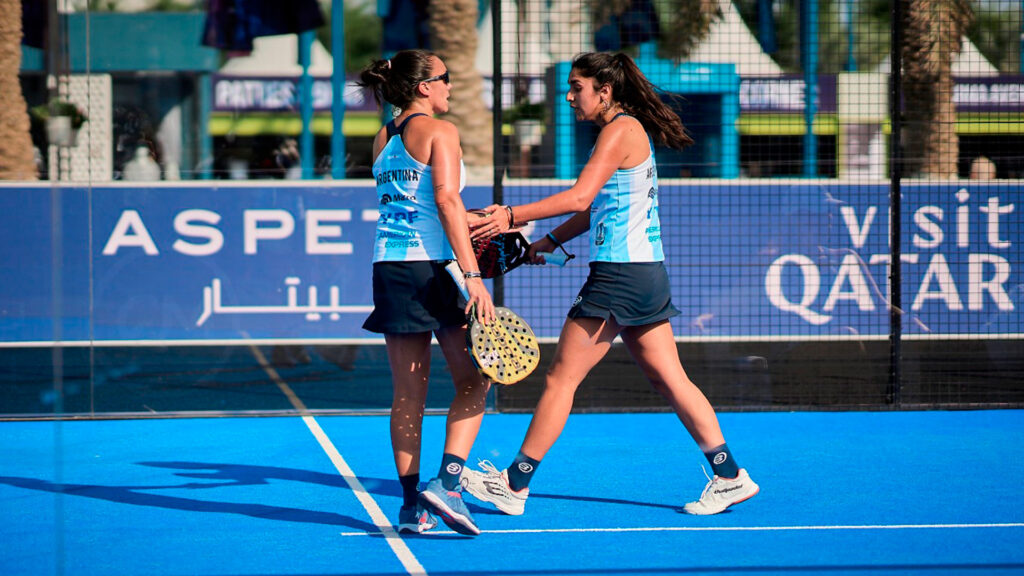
[
  {"x": 729, "y": 528},
  {"x": 380, "y": 520}
]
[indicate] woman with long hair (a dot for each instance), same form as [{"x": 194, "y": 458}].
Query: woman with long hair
[{"x": 627, "y": 292}]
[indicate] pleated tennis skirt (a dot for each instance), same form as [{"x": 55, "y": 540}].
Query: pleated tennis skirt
[
  {"x": 413, "y": 297},
  {"x": 634, "y": 293}
]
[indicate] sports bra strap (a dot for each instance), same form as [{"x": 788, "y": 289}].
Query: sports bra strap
[{"x": 396, "y": 130}]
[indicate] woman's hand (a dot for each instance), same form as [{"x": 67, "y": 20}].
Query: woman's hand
[
  {"x": 496, "y": 219},
  {"x": 543, "y": 245},
  {"x": 481, "y": 299}
]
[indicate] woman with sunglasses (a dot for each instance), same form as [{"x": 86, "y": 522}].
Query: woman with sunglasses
[
  {"x": 627, "y": 292},
  {"x": 422, "y": 226}
]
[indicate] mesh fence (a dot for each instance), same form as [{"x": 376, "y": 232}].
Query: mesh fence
[
  {"x": 782, "y": 223},
  {"x": 845, "y": 232}
]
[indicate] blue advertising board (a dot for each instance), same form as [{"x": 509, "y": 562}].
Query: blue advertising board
[{"x": 292, "y": 262}]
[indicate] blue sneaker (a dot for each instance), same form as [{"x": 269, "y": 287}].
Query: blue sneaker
[
  {"x": 449, "y": 506},
  {"x": 415, "y": 519}
]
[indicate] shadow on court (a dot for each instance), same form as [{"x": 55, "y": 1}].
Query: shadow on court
[{"x": 218, "y": 476}]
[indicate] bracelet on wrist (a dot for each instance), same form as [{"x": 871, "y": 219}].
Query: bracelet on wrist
[
  {"x": 511, "y": 217},
  {"x": 472, "y": 275},
  {"x": 551, "y": 237}
]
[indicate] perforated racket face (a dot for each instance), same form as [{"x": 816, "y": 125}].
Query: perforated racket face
[{"x": 506, "y": 351}]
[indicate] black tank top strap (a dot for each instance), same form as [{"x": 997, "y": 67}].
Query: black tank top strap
[
  {"x": 394, "y": 130},
  {"x": 616, "y": 117}
]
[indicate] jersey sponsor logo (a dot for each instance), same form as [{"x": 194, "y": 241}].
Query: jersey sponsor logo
[
  {"x": 397, "y": 197},
  {"x": 398, "y": 238},
  {"x": 395, "y": 234},
  {"x": 407, "y": 216}
]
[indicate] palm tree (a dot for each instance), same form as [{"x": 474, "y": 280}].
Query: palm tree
[
  {"x": 16, "y": 159},
  {"x": 933, "y": 31},
  {"x": 453, "y": 36}
]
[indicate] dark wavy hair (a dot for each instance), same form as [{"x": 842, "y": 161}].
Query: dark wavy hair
[
  {"x": 636, "y": 94},
  {"x": 394, "y": 81}
]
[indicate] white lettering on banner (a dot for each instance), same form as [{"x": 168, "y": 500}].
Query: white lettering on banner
[
  {"x": 130, "y": 232},
  {"x": 190, "y": 223},
  {"x": 315, "y": 231},
  {"x": 938, "y": 272},
  {"x": 850, "y": 271},
  {"x": 858, "y": 234},
  {"x": 267, "y": 94},
  {"x": 989, "y": 95},
  {"x": 199, "y": 234},
  {"x": 927, "y": 219},
  {"x": 213, "y": 303},
  {"x": 772, "y": 94},
  {"x": 253, "y": 232},
  {"x": 994, "y": 211},
  {"x": 259, "y": 94},
  {"x": 987, "y": 274},
  {"x": 811, "y": 286},
  {"x": 994, "y": 285}
]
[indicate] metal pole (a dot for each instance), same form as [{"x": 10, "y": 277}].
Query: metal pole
[
  {"x": 204, "y": 83},
  {"x": 809, "y": 59},
  {"x": 338, "y": 89},
  {"x": 851, "y": 61},
  {"x": 895, "y": 207},
  {"x": 58, "y": 70},
  {"x": 306, "y": 150},
  {"x": 497, "y": 80}
]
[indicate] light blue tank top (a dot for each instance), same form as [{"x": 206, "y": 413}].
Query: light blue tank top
[
  {"x": 624, "y": 223},
  {"x": 408, "y": 226}
]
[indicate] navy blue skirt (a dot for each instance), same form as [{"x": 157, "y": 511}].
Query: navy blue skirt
[
  {"x": 635, "y": 294},
  {"x": 413, "y": 297}
]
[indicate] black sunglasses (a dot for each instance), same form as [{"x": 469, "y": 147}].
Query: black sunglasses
[{"x": 443, "y": 77}]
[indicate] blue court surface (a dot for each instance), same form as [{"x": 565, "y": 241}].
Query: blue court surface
[{"x": 841, "y": 493}]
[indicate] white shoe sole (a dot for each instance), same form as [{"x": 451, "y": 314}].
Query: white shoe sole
[
  {"x": 415, "y": 528},
  {"x": 501, "y": 505}
]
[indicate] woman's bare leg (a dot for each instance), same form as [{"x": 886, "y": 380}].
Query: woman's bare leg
[
  {"x": 582, "y": 344},
  {"x": 409, "y": 358},
  {"x": 654, "y": 349},
  {"x": 467, "y": 409}
]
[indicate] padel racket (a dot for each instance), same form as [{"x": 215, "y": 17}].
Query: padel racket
[
  {"x": 502, "y": 253},
  {"x": 506, "y": 350}
]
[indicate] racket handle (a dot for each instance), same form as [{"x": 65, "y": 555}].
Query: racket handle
[
  {"x": 460, "y": 280},
  {"x": 553, "y": 258}
]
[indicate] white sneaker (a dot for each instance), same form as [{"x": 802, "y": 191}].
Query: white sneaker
[
  {"x": 492, "y": 486},
  {"x": 720, "y": 493}
]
